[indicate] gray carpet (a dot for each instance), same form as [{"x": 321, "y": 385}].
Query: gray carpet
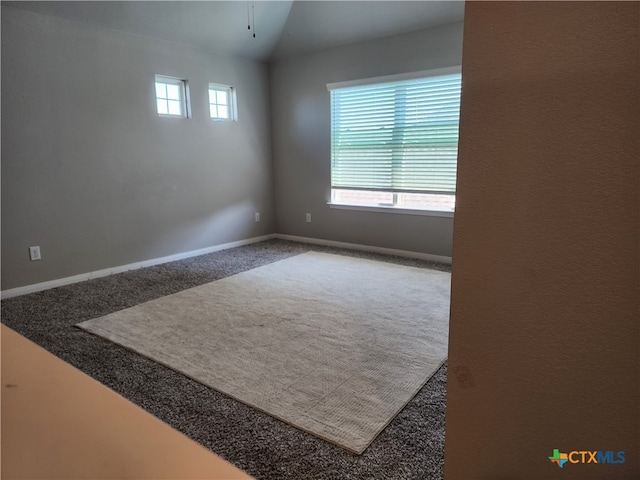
[{"x": 410, "y": 447}]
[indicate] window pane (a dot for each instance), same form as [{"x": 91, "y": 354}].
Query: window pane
[
  {"x": 162, "y": 107},
  {"x": 213, "y": 111},
  {"x": 174, "y": 108},
  {"x": 212, "y": 96},
  {"x": 173, "y": 92},
  {"x": 362, "y": 197},
  {"x": 418, "y": 201},
  {"x": 223, "y": 112},
  {"x": 222, "y": 98},
  {"x": 427, "y": 201},
  {"x": 161, "y": 90}
]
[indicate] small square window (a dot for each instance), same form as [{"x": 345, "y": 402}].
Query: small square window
[
  {"x": 171, "y": 97},
  {"x": 222, "y": 103}
]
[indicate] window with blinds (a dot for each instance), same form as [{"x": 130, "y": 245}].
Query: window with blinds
[{"x": 394, "y": 141}]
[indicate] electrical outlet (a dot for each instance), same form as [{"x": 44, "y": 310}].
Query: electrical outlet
[
  {"x": 257, "y": 216},
  {"x": 34, "y": 253},
  {"x": 308, "y": 218}
]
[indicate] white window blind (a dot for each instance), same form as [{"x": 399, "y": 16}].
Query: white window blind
[{"x": 396, "y": 136}]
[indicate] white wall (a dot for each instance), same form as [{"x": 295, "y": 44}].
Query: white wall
[
  {"x": 301, "y": 140},
  {"x": 93, "y": 176}
]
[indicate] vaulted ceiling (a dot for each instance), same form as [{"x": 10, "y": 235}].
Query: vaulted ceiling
[{"x": 282, "y": 28}]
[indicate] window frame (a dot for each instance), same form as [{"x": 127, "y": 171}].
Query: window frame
[
  {"x": 446, "y": 209},
  {"x": 185, "y": 110},
  {"x": 231, "y": 99}
]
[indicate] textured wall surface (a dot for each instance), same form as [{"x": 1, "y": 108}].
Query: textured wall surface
[
  {"x": 93, "y": 176},
  {"x": 301, "y": 124},
  {"x": 544, "y": 335}
]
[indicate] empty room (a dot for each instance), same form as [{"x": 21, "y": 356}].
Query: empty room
[{"x": 320, "y": 240}]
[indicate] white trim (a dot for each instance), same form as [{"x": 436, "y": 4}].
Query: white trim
[
  {"x": 394, "y": 210},
  {"x": 395, "y": 78},
  {"x": 366, "y": 248},
  {"x": 231, "y": 98},
  {"x": 38, "y": 287},
  {"x": 14, "y": 292},
  {"x": 185, "y": 101}
]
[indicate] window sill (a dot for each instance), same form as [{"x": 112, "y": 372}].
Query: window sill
[{"x": 394, "y": 210}]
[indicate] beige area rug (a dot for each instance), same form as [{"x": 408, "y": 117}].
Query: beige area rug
[{"x": 334, "y": 345}]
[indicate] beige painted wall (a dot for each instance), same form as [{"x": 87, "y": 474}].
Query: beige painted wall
[{"x": 544, "y": 333}]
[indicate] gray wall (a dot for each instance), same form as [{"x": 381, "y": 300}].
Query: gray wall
[
  {"x": 301, "y": 140},
  {"x": 544, "y": 334},
  {"x": 93, "y": 176}
]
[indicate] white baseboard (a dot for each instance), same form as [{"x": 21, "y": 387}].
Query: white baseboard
[
  {"x": 367, "y": 248},
  {"x": 15, "y": 292},
  {"x": 37, "y": 287}
]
